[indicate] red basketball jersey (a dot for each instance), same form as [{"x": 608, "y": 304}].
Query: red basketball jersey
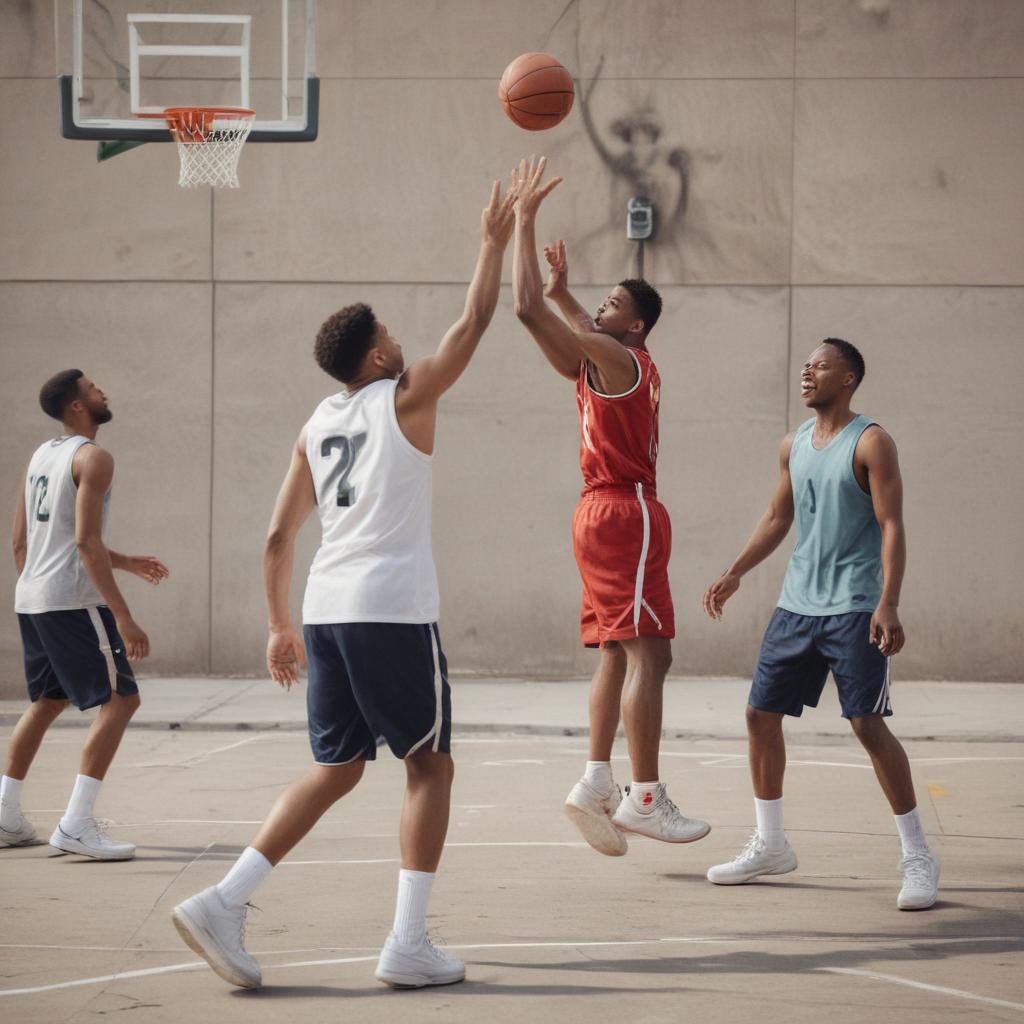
[{"x": 619, "y": 433}]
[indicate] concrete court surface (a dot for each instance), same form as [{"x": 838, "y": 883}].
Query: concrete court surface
[{"x": 550, "y": 930}]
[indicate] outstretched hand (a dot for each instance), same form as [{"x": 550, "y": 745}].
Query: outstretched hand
[
  {"x": 147, "y": 567},
  {"x": 719, "y": 592},
  {"x": 558, "y": 269},
  {"x": 526, "y": 182},
  {"x": 498, "y": 219}
]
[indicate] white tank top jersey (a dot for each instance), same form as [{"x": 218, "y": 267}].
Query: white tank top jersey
[
  {"x": 54, "y": 579},
  {"x": 373, "y": 491}
]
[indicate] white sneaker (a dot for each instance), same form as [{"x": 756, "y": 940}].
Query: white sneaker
[
  {"x": 18, "y": 831},
  {"x": 663, "y": 821},
  {"x": 592, "y": 814},
  {"x": 404, "y": 965},
  {"x": 754, "y": 859},
  {"x": 92, "y": 841},
  {"x": 217, "y": 933},
  {"x": 920, "y": 881}
]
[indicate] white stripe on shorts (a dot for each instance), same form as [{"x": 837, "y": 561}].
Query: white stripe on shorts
[
  {"x": 435, "y": 730},
  {"x": 104, "y": 643},
  {"x": 638, "y": 591},
  {"x": 882, "y": 704}
]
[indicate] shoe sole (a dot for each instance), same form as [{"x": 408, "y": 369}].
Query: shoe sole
[
  {"x": 749, "y": 878},
  {"x": 662, "y": 839},
  {"x": 6, "y": 844},
  {"x": 83, "y": 851},
  {"x": 397, "y": 980},
  {"x": 600, "y": 833},
  {"x": 917, "y": 906},
  {"x": 192, "y": 935}
]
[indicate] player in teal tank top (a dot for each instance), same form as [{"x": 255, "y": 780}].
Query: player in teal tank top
[{"x": 838, "y": 611}]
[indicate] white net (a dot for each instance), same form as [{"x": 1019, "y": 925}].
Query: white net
[{"x": 209, "y": 148}]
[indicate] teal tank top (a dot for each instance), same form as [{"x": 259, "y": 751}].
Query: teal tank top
[{"x": 836, "y": 566}]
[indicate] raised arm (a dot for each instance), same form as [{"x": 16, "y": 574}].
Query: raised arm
[
  {"x": 876, "y": 452},
  {"x": 95, "y": 470},
  {"x": 426, "y": 380},
  {"x": 286, "y": 653},
  {"x": 557, "y": 289},
  {"x": 563, "y": 347},
  {"x": 767, "y": 536}
]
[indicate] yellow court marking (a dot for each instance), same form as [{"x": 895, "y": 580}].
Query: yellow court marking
[{"x": 935, "y": 790}]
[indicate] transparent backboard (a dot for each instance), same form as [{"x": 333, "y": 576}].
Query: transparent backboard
[{"x": 120, "y": 62}]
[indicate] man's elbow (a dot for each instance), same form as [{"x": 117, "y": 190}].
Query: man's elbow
[
  {"x": 526, "y": 310},
  {"x": 88, "y": 547},
  {"x": 278, "y": 540}
]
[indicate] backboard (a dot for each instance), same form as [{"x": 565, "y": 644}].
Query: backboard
[{"x": 122, "y": 62}]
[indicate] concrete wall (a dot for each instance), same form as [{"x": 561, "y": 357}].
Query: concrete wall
[{"x": 854, "y": 166}]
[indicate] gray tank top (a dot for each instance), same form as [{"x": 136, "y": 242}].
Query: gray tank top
[
  {"x": 836, "y": 566},
  {"x": 54, "y": 579}
]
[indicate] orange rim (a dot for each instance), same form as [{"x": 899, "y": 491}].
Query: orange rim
[{"x": 193, "y": 124}]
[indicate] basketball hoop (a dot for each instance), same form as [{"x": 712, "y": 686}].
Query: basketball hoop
[{"x": 210, "y": 141}]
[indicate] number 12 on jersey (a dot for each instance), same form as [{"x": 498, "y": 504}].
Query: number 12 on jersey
[{"x": 348, "y": 449}]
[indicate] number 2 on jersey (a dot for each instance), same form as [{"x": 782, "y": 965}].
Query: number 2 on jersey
[{"x": 348, "y": 449}]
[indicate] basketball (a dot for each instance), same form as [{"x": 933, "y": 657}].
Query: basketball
[{"x": 536, "y": 91}]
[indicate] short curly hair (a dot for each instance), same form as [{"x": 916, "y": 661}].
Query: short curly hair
[
  {"x": 343, "y": 341},
  {"x": 851, "y": 355},
  {"x": 646, "y": 300},
  {"x": 59, "y": 392}
]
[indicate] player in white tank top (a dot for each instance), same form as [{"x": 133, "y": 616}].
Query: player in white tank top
[
  {"x": 375, "y": 663},
  {"x": 74, "y": 622}
]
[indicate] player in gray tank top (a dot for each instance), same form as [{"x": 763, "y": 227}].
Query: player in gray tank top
[
  {"x": 77, "y": 631},
  {"x": 838, "y": 612}
]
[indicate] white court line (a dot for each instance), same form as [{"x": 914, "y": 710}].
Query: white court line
[
  {"x": 942, "y": 990},
  {"x": 190, "y": 762},
  {"x": 590, "y": 944},
  {"x": 305, "y": 863}
]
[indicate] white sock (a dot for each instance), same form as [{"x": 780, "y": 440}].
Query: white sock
[
  {"x": 769, "y": 823},
  {"x": 643, "y": 795},
  {"x": 245, "y": 875},
  {"x": 411, "y": 908},
  {"x": 599, "y": 776},
  {"x": 911, "y": 833},
  {"x": 81, "y": 804},
  {"x": 10, "y": 795}
]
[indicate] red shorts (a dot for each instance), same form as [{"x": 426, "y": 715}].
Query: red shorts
[{"x": 622, "y": 543}]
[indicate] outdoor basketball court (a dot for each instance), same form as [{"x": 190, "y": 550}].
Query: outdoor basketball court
[{"x": 549, "y": 929}]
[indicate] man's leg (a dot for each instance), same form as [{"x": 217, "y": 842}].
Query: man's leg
[
  {"x": 919, "y": 865},
  {"x": 409, "y": 959},
  {"x": 28, "y": 734},
  {"x": 767, "y": 852},
  {"x": 212, "y": 923},
  {"x": 78, "y": 831},
  {"x": 595, "y": 798},
  {"x": 646, "y": 809}
]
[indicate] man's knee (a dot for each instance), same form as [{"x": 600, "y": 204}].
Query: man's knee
[
  {"x": 51, "y": 707},
  {"x": 652, "y": 655},
  {"x": 762, "y": 722},
  {"x": 125, "y": 705},
  {"x": 871, "y": 730},
  {"x": 430, "y": 765}
]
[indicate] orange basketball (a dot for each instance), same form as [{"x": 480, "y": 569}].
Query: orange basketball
[{"x": 536, "y": 91}]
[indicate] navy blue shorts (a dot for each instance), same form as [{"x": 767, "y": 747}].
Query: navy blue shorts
[
  {"x": 799, "y": 650},
  {"x": 75, "y": 655},
  {"x": 376, "y": 679}
]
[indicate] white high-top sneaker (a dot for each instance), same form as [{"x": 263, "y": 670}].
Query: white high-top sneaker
[
  {"x": 17, "y": 831},
  {"x": 217, "y": 933},
  {"x": 414, "y": 965},
  {"x": 920, "y": 881},
  {"x": 753, "y": 860},
  {"x": 592, "y": 814},
  {"x": 92, "y": 841},
  {"x": 663, "y": 821}
]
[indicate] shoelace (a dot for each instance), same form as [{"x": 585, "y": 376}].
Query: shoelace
[
  {"x": 917, "y": 871},
  {"x": 667, "y": 810},
  {"x": 753, "y": 846}
]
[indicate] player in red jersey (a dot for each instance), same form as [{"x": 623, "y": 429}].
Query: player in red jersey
[{"x": 622, "y": 536}]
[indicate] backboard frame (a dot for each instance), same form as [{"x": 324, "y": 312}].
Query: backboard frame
[{"x": 141, "y": 128}]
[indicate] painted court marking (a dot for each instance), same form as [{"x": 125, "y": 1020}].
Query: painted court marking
[
  {"x": 588, "y": 944},
  {"x": 195, "y": 759}
]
